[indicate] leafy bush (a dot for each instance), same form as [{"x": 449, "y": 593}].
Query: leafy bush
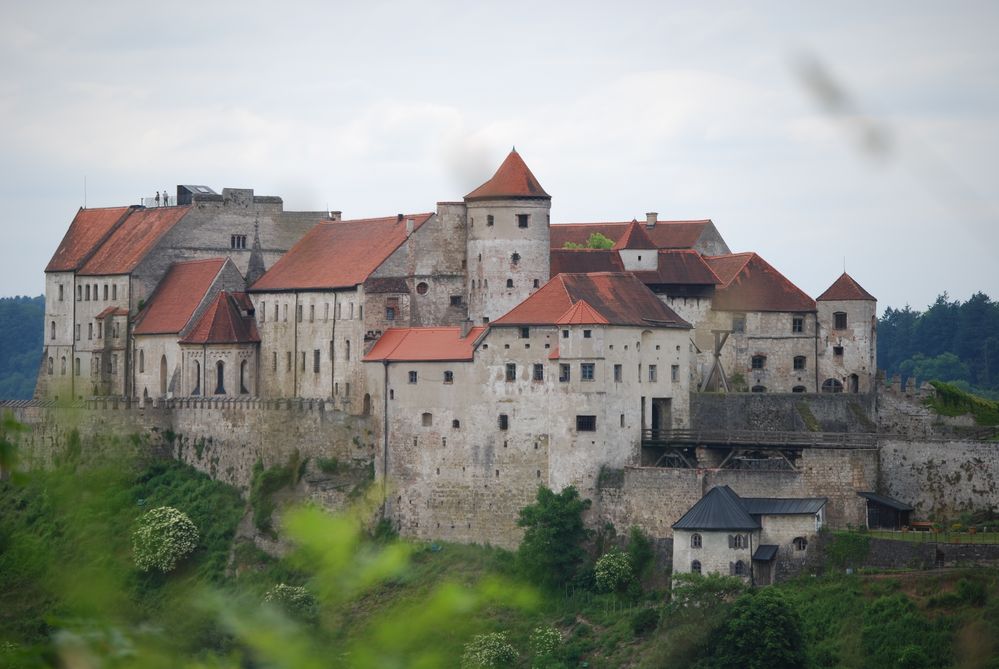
[
  {"x": 972, "y": 592},
  {"x": 613, "y": 572},
  {"x": 164, "y": 536},
  {"x": 645, "y": 621},
  {"x": 640, "y": 551},
  {"x": 551, "y": 551},
  {"x": 895, "y": 631},
  {"x": 761, "y": 631},
  {"x": 545, "y": 641},
  {"x": 294, "y": 600},
  {"x": 488, "y": 651},
  {"x": 847, "y": 549},
  {"x": 265, "y": 483}
]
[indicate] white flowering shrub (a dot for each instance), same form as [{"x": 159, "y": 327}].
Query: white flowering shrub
[
  {"x": 545, "y": 641},
  {"x": 488, "y": 651},
  {"x": 613, "y": 571},
  {"x": 163, "y": 537},
  {"x": 294, "y": 600}
]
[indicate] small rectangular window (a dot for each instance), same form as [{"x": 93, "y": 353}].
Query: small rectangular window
[
  {"x": 77, "y": 332},
  {"x": 302, "y": 363},
  {"x": 837, "y": 351},
  {"x": 114, "y": 291},
  {"x": 522, "y": 220},
  {"x": 525, "y": 333},
  {"x": 263, "y": 312},
  {"x": 456, "y": 300},
  {"x": 284, "y": 312},
  {"x": 565, "y": 334},
  {"x": 100, "y": 330},
  {"x": 448, "y": 376},
  {"x": 586, "y": 423},
  {"x": 298, "y": 313},
  {"x": 586, "y": 371},
  {"x": 739, "y": 323},
  {"x": 312, "y": 313},
  {"x": 60, "y": 292},
  {"x": 412, "y": 376},
  {"x": 674, "y": 373},
  {"x": 511, "y": 371},
  {"x": 799, "y": 362},
  {"x": 489, "y": 219},
  {"x": 87, "y": 298},
  {"x": 798, "y": 324},
  {"x": 274, "y": 362},
  {"x": 390, "y": 313},
  {"x": 618, "y": 373},
  {"x": 105, "y": 292},
  {"x": 759, "y": 361},
  {"x": 504, "y": 422},
  {"x": 539, "y": 372},
  {"x": 839, "y": 320},
  {"x": 563, "y": 373},
  {"x": 315, "y": 361},
  {"x": 428, "y": 419},
  {"x": 587, "y": 334},
  {"x": 287, "y": 362}
]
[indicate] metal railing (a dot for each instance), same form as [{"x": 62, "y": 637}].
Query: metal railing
[{"x": 760, "y": 438}]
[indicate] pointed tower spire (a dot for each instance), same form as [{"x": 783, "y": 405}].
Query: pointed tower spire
[
  {"x": 255, "y": 268},
  {"x": 513, "y": 180}
]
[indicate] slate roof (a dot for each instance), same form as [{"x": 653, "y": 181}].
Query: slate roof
[
  {"x": 719, "y": 509},
  {"x": 513, "y": 180},
  {"x": 177, "y": 296},
  {"x": 886, "y": 501},
  {"x": 665, "y": 234},
  {"x": 424, "y": 345},
  {"x": 337, "y": 254},
  {"x": 722, "y": 509},
  {"x": 634, "y": 239},
  {"x": 222, "y": 322},
  {"x": 620, "y": 298},
  {"x": 750, "y": 283},
  {"x": 130, "y": 241},
  {"x": 90, "y": 227},
  {"x": 846, "y": 288},
  {"x": 776, "y": 506},
  {"x": 765, "y": 552}
]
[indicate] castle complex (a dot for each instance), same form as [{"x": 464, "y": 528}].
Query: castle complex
[{"x": 485, "y": 349}]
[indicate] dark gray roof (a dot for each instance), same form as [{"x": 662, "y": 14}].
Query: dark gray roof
[
  {"x": 765, "y": 552},
  {"x": 773, "y": 506},
  {"x": 719, "y": 509},
  {"x": 886, "y": 501}
]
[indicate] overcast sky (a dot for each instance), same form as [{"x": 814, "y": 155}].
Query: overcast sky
[{"x": 864, "y": 132}]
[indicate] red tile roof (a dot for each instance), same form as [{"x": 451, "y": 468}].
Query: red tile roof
[
  {"x": 513, "y": 179},
  {"x": 749, "y": 283},
  {"x": 177, "y": 296},
  {"x": 132, "y": 240},
  {"x": 112, "y": 311},
  {"x": 634, "y": 238},
  {"x": 581, "y": 313},
  {"x": 680, "y": 267},
  {"x": 337, "y": 254},
  {"x": 222, "y": 323},
  {"x": 424, "y": 345},
  {"x": 665, "y": 234},
  {"x": 90, "y": 227},
  {"x": 620, "y": 298},
  {"x": 846, "y": 288},
  {"x": 582, "y": 261}
]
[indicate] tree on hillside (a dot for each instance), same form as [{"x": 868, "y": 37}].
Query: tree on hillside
[
  {"x": 761, "y": 631},
  {"x": 21, "y": 329},
  {"x": 551, "y": 550}
]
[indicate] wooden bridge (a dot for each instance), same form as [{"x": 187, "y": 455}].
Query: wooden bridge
[{"x": 759, "y": 439}]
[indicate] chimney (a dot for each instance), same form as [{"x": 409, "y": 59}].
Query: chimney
[
  {"x": 399, "y": 218},
  {"x": 466, "y": 327},
  {"x": 651, "y": 218},
  {"x": 410, "y": 223},
  {"x": 336, "y": 215}
]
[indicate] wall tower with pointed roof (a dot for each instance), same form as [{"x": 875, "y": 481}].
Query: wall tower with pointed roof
[
  {"x": 848, "y": 318},
  {"x": 508, "y": 240}
]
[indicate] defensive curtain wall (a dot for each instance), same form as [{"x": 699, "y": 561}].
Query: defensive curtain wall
[{"x": 225, "y": 438}]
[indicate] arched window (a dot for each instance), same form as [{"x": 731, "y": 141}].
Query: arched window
[
  {"x": 52, "y": 330},
  {"x": 738, "y": 541},
  {"x": 456, "y": 424},
  {"x": 695, "y": 567},
  {"x": 63, "y": 369},
  {"x": 832, "y": 386},
  {"x": 758, "y": 361},
  {"x": 366, "y": 405},
  {"x": 509, "y": 283},
  {"x": 142, "y": 360},
  {"x": 76, "y": 367},
  {"x": 800, "y": 543},
  {"x": 798, "y": 389},
  {"x": 243, "y": 367},
  {"x": 197, "y": 378},
  {"x": 220, "y": 378},
  {"x": 428, "y": 419},
  {"x": 759, "y": 389},
  {"x": 740, "y": 568},
  {"x": 695, "y": 540},
  {"x": 51, "y": 366},
  {"x": 799, "y": 362}
]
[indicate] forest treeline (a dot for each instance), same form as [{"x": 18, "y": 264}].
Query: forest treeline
[
  {"x": 951, "y": 341},
  {"x": 20, "y": 345}
]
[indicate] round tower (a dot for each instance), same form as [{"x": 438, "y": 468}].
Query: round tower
[{"x": 508, "y": 238}]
